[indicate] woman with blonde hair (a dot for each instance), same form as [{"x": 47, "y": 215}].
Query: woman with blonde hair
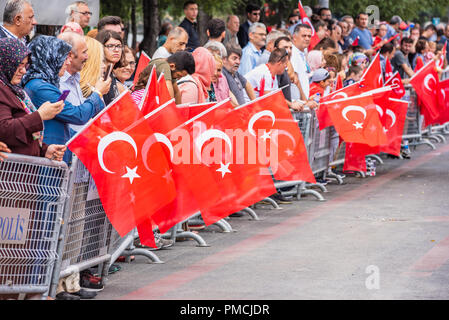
[{"x": 93, "y": 68}]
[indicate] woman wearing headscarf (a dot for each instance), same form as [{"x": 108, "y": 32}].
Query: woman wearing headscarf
[
  {"x": 21, "y": 125},
  {"x": 195, "y": 88},
  {"x": 49, "y": 57}
]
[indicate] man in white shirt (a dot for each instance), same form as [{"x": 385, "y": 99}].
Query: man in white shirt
[
  {"x": 301, "y": 41},
  {"x": 264, "y": 77},
  {"x": 18, "y": 20},
  {"x": 176, "y": 41}
]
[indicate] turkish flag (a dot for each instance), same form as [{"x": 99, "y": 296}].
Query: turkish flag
[
  {"x": 269, "y": 119},
  {"x": 398, "y": 90},
  {"x": 419, "y": 64},
  {"x": 144, "y": 61},
  {"x": 130, "y": 183},
  {"x": 163, "y": 92},
  {"x": 191, "y": 197},
  {"x": 150, "y": 100},
  {"x": 322, "y": 113},
  {"x": 214, "y": 153},
  {"x": 443, "y": 101},
  {"x": 395, "y": 115},
  {"x": 305, "y": 20},
  {"x": 339, "y": 83},
  {"x": 372, "y": 77},
  {"x": 426, "y": 82},
  {"x": 355, "y": 156},
  {"x": 355, "y": 43},
  {"x": 357, "y": 120},
  {"x": 388, "y": 70}
]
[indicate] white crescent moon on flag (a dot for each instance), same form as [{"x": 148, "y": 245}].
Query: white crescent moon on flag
[
  {"x": 353, "y": 108},
  {"x": 307, "y": 21},
  {"x": 380, "y": 110},
  {"x": 393, "y": 117},
  {"x": 396, "y": 83},
  {"x": 287, "y": 134},
  {"x": 444, "y": 94},
  {"x": 427, "y": 80},
  {"x": 107, "y": 140},
  {"x": 342, "y": 94},
  {"x": 380, "y": 80},
  {"x": 258, "y": 116},
  {"x": 210, "y": 134},
  {"x": 156, "y": 137}
]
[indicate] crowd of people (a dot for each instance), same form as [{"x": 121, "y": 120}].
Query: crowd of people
[{"x": 241, "y": 61}]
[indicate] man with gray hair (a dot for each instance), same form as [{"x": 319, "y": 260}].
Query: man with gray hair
[
  {"x": 177, "y": 40},
  {"x": 18, "y": 20},
  {"x": 79, "y": 12},
  {"x": 253, "y": 50},
  {"x": 271, "y": 38}
]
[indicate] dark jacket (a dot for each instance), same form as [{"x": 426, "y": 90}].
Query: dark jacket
[
  {"x": 192, "y": 31},
  {"x": 242, "y": 35},
  {"x": 17, "y": 126}
]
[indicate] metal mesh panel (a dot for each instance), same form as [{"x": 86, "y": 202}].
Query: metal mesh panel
[
  {"x": 39, "y": 187},
  {"x": 89, "y": 231}
]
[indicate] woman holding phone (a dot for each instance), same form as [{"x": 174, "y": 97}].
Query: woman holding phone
[
  {"x": 50, "y": 58},
  {"x": 113, "y": 56},
  {"x": 21, "y": 125}
]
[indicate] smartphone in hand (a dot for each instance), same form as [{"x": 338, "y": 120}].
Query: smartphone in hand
[
  {"x": 107, "y": 72},
  {"x": 64, "y": 95}
]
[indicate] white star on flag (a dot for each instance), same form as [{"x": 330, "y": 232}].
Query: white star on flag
[
  {"x": 131, "y": 174},
  {"x": 358, "y": 125},
  {"x": 266, "y": 135},
  {"x": 168, "y": 176},
  {"x": 289, "y": 153},
  {"x": 224, "y": 169}
]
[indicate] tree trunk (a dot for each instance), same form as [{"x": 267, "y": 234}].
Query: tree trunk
[
  {"x": 150, "y": 26},
  {"x": 133, "y": 24},
  {"x": 203, "y": 18}
]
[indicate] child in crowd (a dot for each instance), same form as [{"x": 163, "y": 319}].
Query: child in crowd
[
  {"x": 321, "y": 80},
  {"x": 354, "y": 74}
]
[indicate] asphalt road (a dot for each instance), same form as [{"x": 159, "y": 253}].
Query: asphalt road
[{"x": 383, "y": 237}]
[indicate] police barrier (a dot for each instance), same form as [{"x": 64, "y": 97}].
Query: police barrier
[
  {"x": 32, "y": 197},
  {"x": 87, "y": 237}
]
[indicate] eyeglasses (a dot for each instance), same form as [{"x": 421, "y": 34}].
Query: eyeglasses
[
  {"x": 87, "y": 13},
  {"x": 130, "y": 64},
  {"x": 255, "y": 13},
  {"x": 114, "y": 47},
  {"x": 261, "y": 34}
]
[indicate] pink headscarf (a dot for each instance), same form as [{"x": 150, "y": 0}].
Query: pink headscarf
[
  {"x": 315, "y": 59},
  {"x": 204, "y": 69}
]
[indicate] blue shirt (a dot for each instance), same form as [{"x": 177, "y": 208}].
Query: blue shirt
[
  {"x": 365, "y": 37},
  {"x": 57, "y": 130},
  {"x": 250, "y": 57}
]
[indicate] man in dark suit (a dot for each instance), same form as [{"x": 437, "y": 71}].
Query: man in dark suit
[
  {"x": 18, "y": 20},
  {"x": 253, "y": 15}
]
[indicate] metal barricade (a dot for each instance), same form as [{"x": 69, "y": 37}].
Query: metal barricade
[
  {"x": 306, "y": 125},
  {"x": 413, "y": 132},
  {"x": 32, "y": 197},
  {"x": 88, "y": 238}
]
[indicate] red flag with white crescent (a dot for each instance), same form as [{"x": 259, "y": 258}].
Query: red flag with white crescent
[
  {"x": 270, "y": 120},
  {"x": 426, "y": 82},
  {"x": 357, "y": 120},
  {"x": 131, "y": 186},
  {"x": 372, "y": 77},
  {"x": 215, "y": 151},
  {"x": 398, "y": 90}
]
